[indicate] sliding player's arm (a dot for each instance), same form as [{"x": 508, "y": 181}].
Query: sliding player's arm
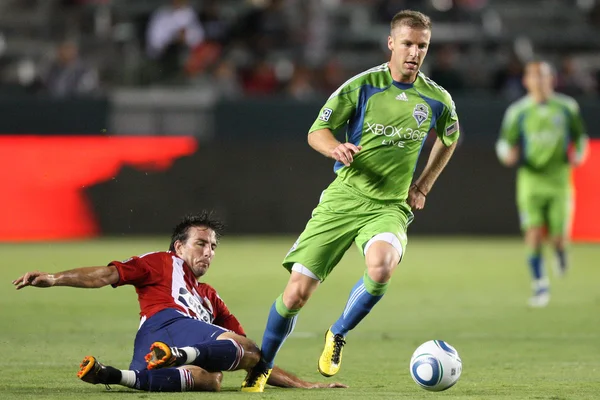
[
  {"x": 507, "y": 149},
  {"x": 86, "y": 277},
  {"x": 284, "y": 379}
]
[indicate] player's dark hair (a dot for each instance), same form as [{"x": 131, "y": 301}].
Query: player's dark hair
[
  {"x": 202, "y": 219},
  {"x": 412, "y": 19}
]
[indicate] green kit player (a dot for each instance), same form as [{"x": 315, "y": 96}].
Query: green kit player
[
  {"x": 390, "y": 109},
  {"x": 544, "y": 133}
]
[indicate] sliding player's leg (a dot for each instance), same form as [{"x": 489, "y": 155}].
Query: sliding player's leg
[
  {"x": 187, "y": 378},
  {"x": 223, "y": 351}
]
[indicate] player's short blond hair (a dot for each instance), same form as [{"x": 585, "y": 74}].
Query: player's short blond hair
[{"x": 412, "y": 19}]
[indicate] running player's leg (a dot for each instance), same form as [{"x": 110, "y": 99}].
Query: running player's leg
[
  {"x": 327, "y": 236},
  {"x": 532, "y": 210},
  {"x": 382, "y": 239},
  {"x": 560, "y": 213}
]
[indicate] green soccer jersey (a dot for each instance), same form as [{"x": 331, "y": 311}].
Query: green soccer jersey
[
  {"x": 544, "y": 133},
  {"x": 391, "y": 121}
]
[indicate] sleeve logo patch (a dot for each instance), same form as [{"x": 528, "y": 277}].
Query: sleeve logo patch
[
  {"x": 452, "y": 128},
  {"x": 325, "y": 114}
]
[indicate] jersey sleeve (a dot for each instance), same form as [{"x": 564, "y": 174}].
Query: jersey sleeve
[
  {"x": 338, "y": 109},
  {"x": 134, "y": 271},
  {"x": 509, "y": 132},
  {"x": 578, "y": 135},
  {"x": 447, "y": 127},
  {"x": 224, "y": 317}
]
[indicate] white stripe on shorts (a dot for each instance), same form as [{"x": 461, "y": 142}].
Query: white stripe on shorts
[
  {"x": 387, "y": 237},
  {"x": 304, "y": 271}
]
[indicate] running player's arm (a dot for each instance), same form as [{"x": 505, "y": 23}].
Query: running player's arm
[
  {"x": 507, "y": 149},
  {"x": 578, "y": 135},
  {"x": 447, "y": 130},
  {"x": 336, "y": 111},
  {"x": 438, "y": 159},
  {"x": 86, "y": 277}
]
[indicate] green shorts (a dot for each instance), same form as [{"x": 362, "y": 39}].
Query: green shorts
[
  {"x": 551, "y": 210},
  {"x": 343, "y": 217}
]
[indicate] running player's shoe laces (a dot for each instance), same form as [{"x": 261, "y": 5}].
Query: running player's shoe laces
[
  {"x": 257, "y": 378},
  {"x": 338, "y": 344},
  {"x": 254, "y": 375}
]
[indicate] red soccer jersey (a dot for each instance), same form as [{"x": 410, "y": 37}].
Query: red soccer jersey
[{"x": 163, "y": 280}]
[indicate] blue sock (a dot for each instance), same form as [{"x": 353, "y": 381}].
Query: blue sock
[
  {"x": 364, "y": 295},
  {"x": 163, "y": 380},
  {"x": 280, "y": 324},
  {"x": 535, "y": 265},
  {"x": 218, "y": 355},
  {"x": 562, "y": 259}
]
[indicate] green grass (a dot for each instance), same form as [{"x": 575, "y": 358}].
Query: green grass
[{"x": 470, "y": 292}]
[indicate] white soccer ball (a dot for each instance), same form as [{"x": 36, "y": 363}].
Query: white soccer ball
[{"x": 435, "y": 366}]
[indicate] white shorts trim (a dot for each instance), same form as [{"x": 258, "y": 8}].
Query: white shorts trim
[
  {"x": 304, "y": 271},
  {"x": 387, "y": 237}
]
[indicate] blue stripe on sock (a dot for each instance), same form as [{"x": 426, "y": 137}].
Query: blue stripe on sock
[
  {"x": 277, "y": 330},
  {"x": 360, "y": 302},
  {"x": 535, "y": 265}
]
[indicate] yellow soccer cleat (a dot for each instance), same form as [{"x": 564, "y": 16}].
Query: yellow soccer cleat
[
  {"x": 256, "y": 379},
  {"x": 331, "y": 358}
]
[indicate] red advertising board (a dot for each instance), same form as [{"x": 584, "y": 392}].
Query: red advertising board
[{"x": 43, "y": 177}]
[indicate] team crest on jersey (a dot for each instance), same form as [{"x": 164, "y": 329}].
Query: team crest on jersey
[
  {"x": 421, "y": 113},
  {"x": 558, "y": 120},
  {"x": 325, "y": 114}
]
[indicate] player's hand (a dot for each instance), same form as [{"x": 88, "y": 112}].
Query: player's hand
[
  {"x": 34, "y": 278},
  {"x": 345, "y": 152},
  {"x": 575, "y": 159},
  {"x": 416, "y": 198},
  {"x": 321, "y": 385}
]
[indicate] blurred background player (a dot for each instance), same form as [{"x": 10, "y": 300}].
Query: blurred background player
[
  {"x": 174, "y": 308},
  {"x": 390, "y": 109},
  {"x": 544, "y": 133}
]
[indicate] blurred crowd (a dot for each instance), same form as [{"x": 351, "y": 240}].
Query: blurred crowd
[{"x": 298, "y": 48}]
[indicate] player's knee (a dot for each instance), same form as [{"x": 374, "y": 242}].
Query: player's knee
[
  {"x": 251, "y": 351},
  {"x": 559, "y": 242},
  {"x": 296, "y": 299},
  {"x": 298, "y": 290},
  {"x": 381, "y": 262},
  {"x": 380, "y": 274}
]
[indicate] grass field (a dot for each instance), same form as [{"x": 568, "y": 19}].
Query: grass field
[{"x": 470, "y": 292}]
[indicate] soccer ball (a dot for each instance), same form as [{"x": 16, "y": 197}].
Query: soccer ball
[{"x": 435, "y": 366}]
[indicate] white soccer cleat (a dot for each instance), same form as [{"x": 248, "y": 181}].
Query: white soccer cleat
[{"x": 540, "y": 299}]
